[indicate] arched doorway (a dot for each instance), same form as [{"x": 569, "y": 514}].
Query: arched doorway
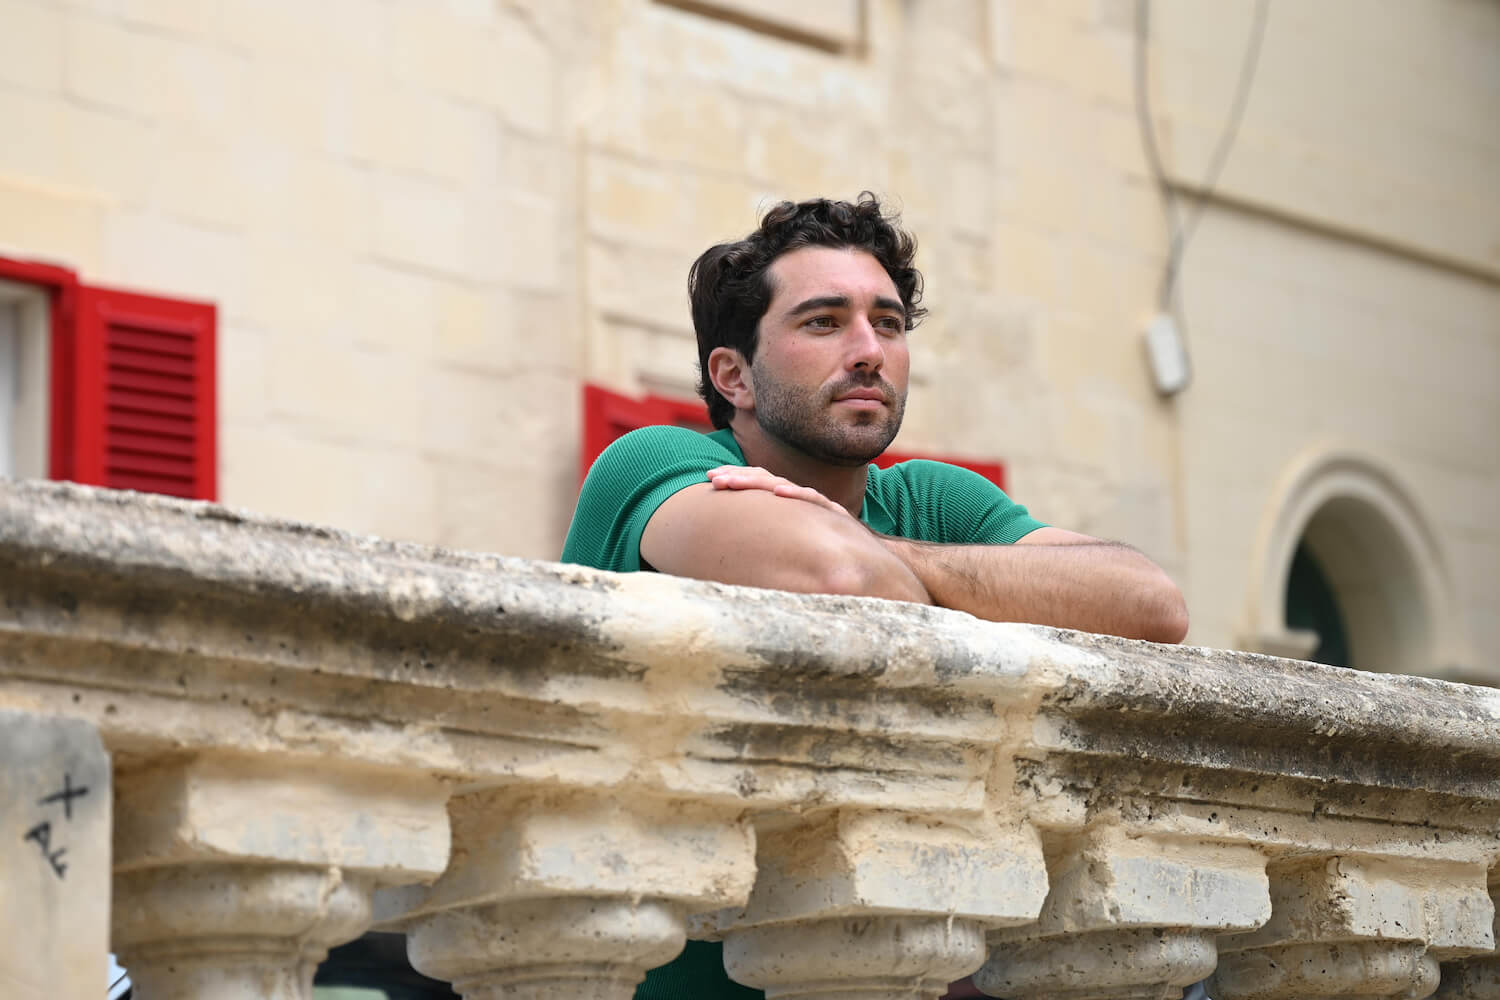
[
  {"x": 1348, "y": 573},
  {"x": 1313, "y": 607}
]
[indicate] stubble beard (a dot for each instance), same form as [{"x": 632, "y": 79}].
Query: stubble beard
[{"x": 806, "y": 422}]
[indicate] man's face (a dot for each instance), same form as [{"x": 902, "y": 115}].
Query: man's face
[{"x": 831, "y": 362}]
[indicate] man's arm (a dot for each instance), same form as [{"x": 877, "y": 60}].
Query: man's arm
[
  {"x": 760, "y": 539},
  {"x": 1052, "y": 577}
]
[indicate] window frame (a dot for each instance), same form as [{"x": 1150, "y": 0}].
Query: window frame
[{"x": 82, "y": 318}]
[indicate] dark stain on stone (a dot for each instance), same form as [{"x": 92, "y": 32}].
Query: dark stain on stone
[
  {"x": 790, "y": 692},
  {"x": 806, "y": 662},
  {"x": 819, "y": 749}
]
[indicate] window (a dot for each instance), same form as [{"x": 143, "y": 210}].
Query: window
[
  {"x": 608, "y": 415},
  {"x": 25, "y": 345},
  {"x": 105, "y": 387}
]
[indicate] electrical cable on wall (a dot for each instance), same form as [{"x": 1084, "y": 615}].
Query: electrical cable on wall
[
  {"x": 1164, "y": 342},
  {"x": 1181, "y": 233}
]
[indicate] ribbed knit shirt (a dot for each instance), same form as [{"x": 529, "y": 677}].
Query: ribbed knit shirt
[{"x": 921, "y": 500}]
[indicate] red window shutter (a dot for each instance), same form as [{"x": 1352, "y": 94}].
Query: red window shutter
[
  {"x": 609, "y": 415},
  {"x": 140, "y": 395},
  {"x": 993, "y": 471}
]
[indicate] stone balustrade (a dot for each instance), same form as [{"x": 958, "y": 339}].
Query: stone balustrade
[{"x": 549, "y": 777}]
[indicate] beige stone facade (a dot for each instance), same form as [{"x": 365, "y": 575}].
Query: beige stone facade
[{"x": 426, "y": 225}]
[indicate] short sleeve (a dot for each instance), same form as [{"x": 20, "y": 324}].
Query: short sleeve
[
  {"x": 938, "y": 502},
  {"x": 626, "y": 484}
]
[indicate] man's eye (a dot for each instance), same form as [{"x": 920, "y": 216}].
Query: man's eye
[
  {"x": 891, "y": 324},
  {"x": 822, "y": 323}
]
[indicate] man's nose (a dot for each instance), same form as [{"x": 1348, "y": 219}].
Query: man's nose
[{"x": 865, "y": 348}]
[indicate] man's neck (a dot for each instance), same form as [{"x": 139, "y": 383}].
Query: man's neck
[{"x": 844, "y": 485}]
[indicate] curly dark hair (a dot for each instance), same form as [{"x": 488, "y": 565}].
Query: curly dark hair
[{"x": 730, "y": 286}]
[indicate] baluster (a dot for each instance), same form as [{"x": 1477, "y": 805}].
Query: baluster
[
  {"x": 1129, "y": 917},
  {"x": 234, "y": 874},
  {"x": 569, "y": 895},
  {"x": 877, "y": 906},
  {"x": 1358, "y": 927}
]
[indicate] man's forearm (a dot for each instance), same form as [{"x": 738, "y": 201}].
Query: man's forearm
[
  {"x": 1051, "y": 577},
  {"x": 1095, "y": 587},
  {"x": 758, "y": 539}
]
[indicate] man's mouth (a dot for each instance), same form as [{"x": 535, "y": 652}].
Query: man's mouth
[{"x": 862, "y": 398}]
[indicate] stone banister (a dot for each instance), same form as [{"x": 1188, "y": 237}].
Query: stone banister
[{"x": 549, "y": 777}]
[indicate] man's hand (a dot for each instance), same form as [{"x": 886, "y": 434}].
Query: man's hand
[
  {"x": 753, "y": 477},
  {"x": 751, "y": 528}
]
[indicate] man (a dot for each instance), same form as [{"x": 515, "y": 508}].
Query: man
[{"x": 802, "y": 350}]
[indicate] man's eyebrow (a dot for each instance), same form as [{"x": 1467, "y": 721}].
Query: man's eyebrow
[
  {"x": 819, "y": 302},
  {"x": 842, "y": 302}
]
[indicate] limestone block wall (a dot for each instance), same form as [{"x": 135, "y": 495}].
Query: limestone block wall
[
  {"x": 427, "y": 224},
  {"x": 376, "y": 196},
  {"x": 1343, "y": 293}
]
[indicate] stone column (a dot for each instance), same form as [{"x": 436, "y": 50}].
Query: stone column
[
  {"x": 569, "y": 896},
  {"x": 54, "y": 858},
  {"x": 1129, "y": 917},
  {"x": 1353, "y": 926},
  {"x": 877, "y": 906},
  {"x": 235, "y": 874}
]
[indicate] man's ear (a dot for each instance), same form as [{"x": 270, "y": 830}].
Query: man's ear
[{"x": 730, "y": 375}]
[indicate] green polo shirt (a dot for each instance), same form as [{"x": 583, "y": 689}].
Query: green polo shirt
[{"x": 921, "y": 500}]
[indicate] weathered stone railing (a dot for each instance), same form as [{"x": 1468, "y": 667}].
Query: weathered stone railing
[{"x": 547, "y": 776}]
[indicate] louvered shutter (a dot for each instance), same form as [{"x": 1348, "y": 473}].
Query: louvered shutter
[
  {"x": 141, "y": 394},
  {"x": 609, "y": 415}
]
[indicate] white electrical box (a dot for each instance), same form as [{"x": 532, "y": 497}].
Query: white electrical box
[{"x": 1168, "y": 355}]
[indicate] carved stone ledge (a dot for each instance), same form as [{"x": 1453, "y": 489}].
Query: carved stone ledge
[
  {"x": 235, "y": 873},
  {"x": 1358, "y": 927},
  {"x": 1140, "y": 964},
  {"x": 1128, "y": 917},
  {"x": 1389, "y": 970},
  {"x": 547, "y": 949},
  {"x": 233, "y": 931},
  {"x": 856, "y": 904},
  {"x": 855, "y": 958},
  {"x": 568, "y": 894}
]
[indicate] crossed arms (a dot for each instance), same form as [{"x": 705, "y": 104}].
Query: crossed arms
[{"x": 748, "y": 527}]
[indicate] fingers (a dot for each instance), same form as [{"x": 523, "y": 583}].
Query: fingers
[
  {"x": 810, "y": 495},
  {"x": 739, "y": 470},
  {"x": 736, "y": 477}
]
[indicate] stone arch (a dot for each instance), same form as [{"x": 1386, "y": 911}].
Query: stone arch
[{"x": 1381, "y": 557}]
